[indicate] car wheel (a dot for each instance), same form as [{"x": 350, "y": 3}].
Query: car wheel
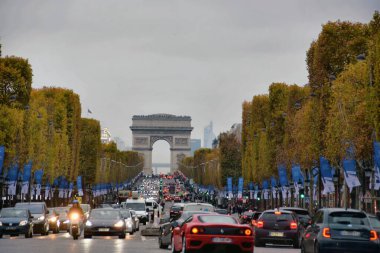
[
  {"x": 259, "y": 244},
  {"x": 316, "y": 247},
  {"x": 173, "y": 248},
  {"x": 296, "y": 244},
  {"x": 303, "y": 247},
  {"x": 122, "y": 236}
]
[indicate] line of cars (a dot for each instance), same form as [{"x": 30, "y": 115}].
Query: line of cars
[{"x": 329, "y": 230}]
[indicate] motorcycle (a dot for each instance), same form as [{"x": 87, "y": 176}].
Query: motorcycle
[{"x": 75, "y": 225}]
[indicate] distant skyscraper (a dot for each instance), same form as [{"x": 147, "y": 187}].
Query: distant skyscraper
[
  {"x": 208, "y": 136},
  {"x": 195, "y": 144},
  {"x": 105, "y": 136},
  {"x": 236, "y": 130},
  {"x": 120, "y": 144}
]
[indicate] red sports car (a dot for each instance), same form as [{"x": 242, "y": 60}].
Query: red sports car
[{"x": 212, "y": 233}]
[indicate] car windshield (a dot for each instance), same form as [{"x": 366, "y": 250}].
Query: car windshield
[
  {"x": 61, "y": 210},
  {"x": 375, "y": 223},
  {"x": 176, "y": 208},
  {"x": 199, "y": 207},
  {"x": 105, "y": 214},
  {"x": 13, "y": 213},
  {"x": 217, "y": 219},
  {"x": 125, "y": 214},
  {"x": 348, "y": 218},
  {"x": 36, "y": 209},
  {"x": 136, "y": 206}
]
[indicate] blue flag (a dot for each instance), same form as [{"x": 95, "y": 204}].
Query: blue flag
[
  {"x": 297, "y": 174},
  {"x": 282, "y": 175},
  {"x": 2, "y": 155},
  {"x": 27, "y": 172},
  {"x": 38, "y": 176},
  {"x": 12, "y": 173}
]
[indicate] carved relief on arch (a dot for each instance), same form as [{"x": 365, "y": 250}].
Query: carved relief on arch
[{"x": 169, "y": 139}]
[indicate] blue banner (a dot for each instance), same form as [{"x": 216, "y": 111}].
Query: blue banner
[
  {"x": 38, "y": 176},
  {"x": 240, "y": 187},
  {"x": 265, "y": 185},
  {"x": 273, "y": 182},
  {"x": 376, "y": 155},
  {"x": 229, "y": 186},
  {"x": 27, "y": 172},
  {"x": 325, "y": 168},
  {"x": 79, "y": 182},
  {"x": 251, "y": 186},
  {"x": 282, "y": 175},
  {"x": 2, "y": 155},
  {"x": 297, "y": 175},
  {"x": 12, "y": 173}
]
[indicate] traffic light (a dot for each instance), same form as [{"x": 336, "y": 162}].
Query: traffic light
[{"x": 302, "y": 193}]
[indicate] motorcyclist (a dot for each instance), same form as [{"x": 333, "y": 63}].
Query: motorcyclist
[{"x": 76, "y": 209}]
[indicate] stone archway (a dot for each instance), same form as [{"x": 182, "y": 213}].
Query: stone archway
[{"x": 147, "y": 129}]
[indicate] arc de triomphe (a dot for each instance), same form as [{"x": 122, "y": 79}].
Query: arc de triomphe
[{"x": 147, "y": 129}]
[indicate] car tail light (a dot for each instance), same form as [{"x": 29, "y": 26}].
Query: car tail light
[
  {"x": 293, "y": 225},
  {"x": 326, "y": 233},
  {"x": 254, "y": 223},
  {"x": 196, "y": 230},
  {"x": 374, "y": 236},
  {"x": 248, "y": 232},
  {"x": 260, "y": 224}
]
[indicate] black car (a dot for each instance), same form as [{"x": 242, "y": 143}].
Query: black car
[
  {"x": 54, "y": 222},
  {"x": 278, "y": 227},
  {"x": 39, "y": 212},
  {"x": 375, "y": 223},
  {"x": 302, "y": 214},
  {"x": 246, "y": 217},
  {"x": 15, "y": 221},
  {"x": 340, "y": 230},
  {"x": 105, "y": 221},
  {"x": 165, "y": 237}
]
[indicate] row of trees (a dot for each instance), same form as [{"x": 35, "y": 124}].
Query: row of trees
[
  {"x": 338, "y": 110},
  {"x": 45, "y": 126},
  {"x": 213, "y": 166}
]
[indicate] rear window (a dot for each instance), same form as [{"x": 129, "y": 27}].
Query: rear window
[
  {"x": 256, "y": 216},
  {"x": 299, "y": 212},
  {"x": 205, "y": 208},
  {"x": 217, "y": 219},
  {"x": 348, "y": 218},
  {"x": 34, "y": 209},
  {"x": 277, "y": 217},
  {"x": 375, "y": 222}
]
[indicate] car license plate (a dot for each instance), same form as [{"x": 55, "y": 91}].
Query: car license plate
[
  {"x": 11, "y": 228},
  {"x": 221, "y": 240},
  {"x": 276, "y": 234},
  {"x": 104, "y": 229},
  {"x": 350, "y": 233}
]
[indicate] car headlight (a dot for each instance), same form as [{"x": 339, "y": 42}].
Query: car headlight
[
  {"x": 66, "y": 221},
  {"x": 41, "y": 218},
  {"x": 53, "y": 219},
  {"x": 88, "y": 223},
  {"x": 119, "y": 224},
  {"x": 23, "y": 222}
]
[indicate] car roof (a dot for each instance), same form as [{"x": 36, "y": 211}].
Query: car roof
[
  {"x": 331, "y": 210},
  {"x": 14, "y": 208},
  {"x": 293, "y": 208}
]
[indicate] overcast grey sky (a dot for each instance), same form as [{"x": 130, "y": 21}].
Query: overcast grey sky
[{"x": 197, "y": 58}]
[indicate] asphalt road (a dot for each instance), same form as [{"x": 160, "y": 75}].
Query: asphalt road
[{"x": 63, "y": 243}]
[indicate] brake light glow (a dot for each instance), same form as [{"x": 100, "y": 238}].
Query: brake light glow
[
  {"x": 374, "y": 236},
  {"x": 277, "y": 213},
  {"x": 253, "y": 223},
  {"x": 293, "y": 225},
  {"x": 247, "y": 232},
  {"x": 194, "y": 231},
  {"x": 326, "y": 233},
  {"x": 260, "y": 224}
]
